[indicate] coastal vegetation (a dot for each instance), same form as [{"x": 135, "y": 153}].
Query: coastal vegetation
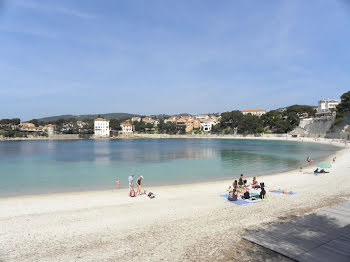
[
  {"x": 278, "y": 121},
  {"x": 343, "y": 108},
  {"x": 274, "y": 121}
]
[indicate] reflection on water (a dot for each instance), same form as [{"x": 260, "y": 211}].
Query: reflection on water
[{"x": 49, "y": 166}]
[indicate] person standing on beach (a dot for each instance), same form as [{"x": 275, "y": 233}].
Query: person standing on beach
[
  {"x": 131, "y": 182},
  {"x": 138, "y": 184}
]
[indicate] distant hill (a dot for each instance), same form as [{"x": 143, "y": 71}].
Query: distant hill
[{"x": 120, "y": 116}]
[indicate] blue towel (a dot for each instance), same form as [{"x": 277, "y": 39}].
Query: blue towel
[
  {"x": 254, "y": 194},
  {"x": 244, "y": 202}
]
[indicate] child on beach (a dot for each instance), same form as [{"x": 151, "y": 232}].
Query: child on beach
[{"x": 309, "y": 160}]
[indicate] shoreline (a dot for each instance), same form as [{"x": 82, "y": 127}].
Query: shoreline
[
  {"x": 272, "y": 137},
  {"x": 188, "y": 222},
  {"x": 180, "y": 184}
]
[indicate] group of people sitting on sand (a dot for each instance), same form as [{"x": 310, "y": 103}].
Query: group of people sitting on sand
[
  {"x": 139, "y": 192},
  {"x": 241, "y": 189}
]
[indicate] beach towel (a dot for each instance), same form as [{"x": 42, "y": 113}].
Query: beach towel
[
  {"x": 281, "y": 192},
  {"x": 242, "y": 202}
]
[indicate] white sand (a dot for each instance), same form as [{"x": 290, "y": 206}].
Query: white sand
[{"x": 183, "y": 223}]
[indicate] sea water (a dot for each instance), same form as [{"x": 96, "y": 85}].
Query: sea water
[{"x": 32, "y": 167}]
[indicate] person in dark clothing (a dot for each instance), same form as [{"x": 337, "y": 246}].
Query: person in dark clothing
[
  {"x": 232, "y": 196},
  {"x": 263, "y": 191},
  {"x": 240, "y": 181},
  {"x": 138, "y": 184},
  {"x": 246, "y": 195}
]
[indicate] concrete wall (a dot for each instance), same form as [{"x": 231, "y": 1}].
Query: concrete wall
[{"x": 64, "y": 136}]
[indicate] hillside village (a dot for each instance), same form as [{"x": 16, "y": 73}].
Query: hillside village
[{"x": 296, "y": 120}]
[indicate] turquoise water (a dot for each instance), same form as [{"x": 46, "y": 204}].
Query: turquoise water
[{"x": 29, "y": 167}]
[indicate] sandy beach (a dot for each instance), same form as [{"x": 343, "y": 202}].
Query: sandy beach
[{"x": 183, "y": 223}]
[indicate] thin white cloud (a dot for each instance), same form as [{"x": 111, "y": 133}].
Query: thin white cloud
[
  {"x": 29, "y": 31},
  {"x": 53, "y": 8},
  {"x": 73, "y": 12}
]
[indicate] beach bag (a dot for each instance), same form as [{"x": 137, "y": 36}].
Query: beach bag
[
  {"x": 132, "y": 193},
  {"x": 246, "y": 195},
  {"x": 233, "y": 198}
]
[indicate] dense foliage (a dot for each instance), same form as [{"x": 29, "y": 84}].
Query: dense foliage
[
  {"x": 13, "y": 121},
  {"x": 276, "y": 121},
  {"x": 343, "y": 107},
  {"x": 170, "y": 128}
]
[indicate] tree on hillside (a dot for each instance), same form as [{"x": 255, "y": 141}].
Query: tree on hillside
[
  {"x": 35, "y": 122},
  {"x": 161, "y": 127},
  {"x": 15, "y": 121},
  {"x": 297, "y": 109},
  {"x": 230, "y": 119},
  {"x": 5, "y": 121},
  {"x": 343, "y": 107},
  {"x": 114, "y": 124},
  {"x": 250, "y": 125},
  {"x": 139, "y": 126},
  {"x": 60, "y": 121}
]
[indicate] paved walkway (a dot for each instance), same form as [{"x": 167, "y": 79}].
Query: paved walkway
[{"x": 322, "y": 236}]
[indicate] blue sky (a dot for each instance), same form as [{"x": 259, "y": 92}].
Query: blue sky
[{"x": 150, "y": 57}]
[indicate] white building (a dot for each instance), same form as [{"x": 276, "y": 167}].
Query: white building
[
  {"x": 207, "y": 126},
  {"x": 202, "y": 117},
  {"x": 254, "y": 112},
  {"x": 326, "y": 105},
  {"x": 101, "y": 127},
  {"x": 136, "y": 119},
  {"x": 171, "y": 119},
  {"x": 126, "y": 127}
]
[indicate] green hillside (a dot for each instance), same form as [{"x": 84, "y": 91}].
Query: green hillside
[{"x": 120, "y": 116}]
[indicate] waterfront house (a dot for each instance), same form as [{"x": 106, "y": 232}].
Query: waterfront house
[
  {"x": 101, "y": 127},
  {"x": 196, "y": 123},
  {"x": 254, "y": 112},
  {"x": 147, "y": 119},
  {"x": 30, "y": 127},
  {"x": 171, "y": 119},
  {"x": 81, "y": 124},
  {"x": 126, "y": 127},
  {"x": 207, "y": 125}
]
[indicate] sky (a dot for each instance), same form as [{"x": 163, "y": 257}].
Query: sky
[{"x": 157, "y": 56}]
